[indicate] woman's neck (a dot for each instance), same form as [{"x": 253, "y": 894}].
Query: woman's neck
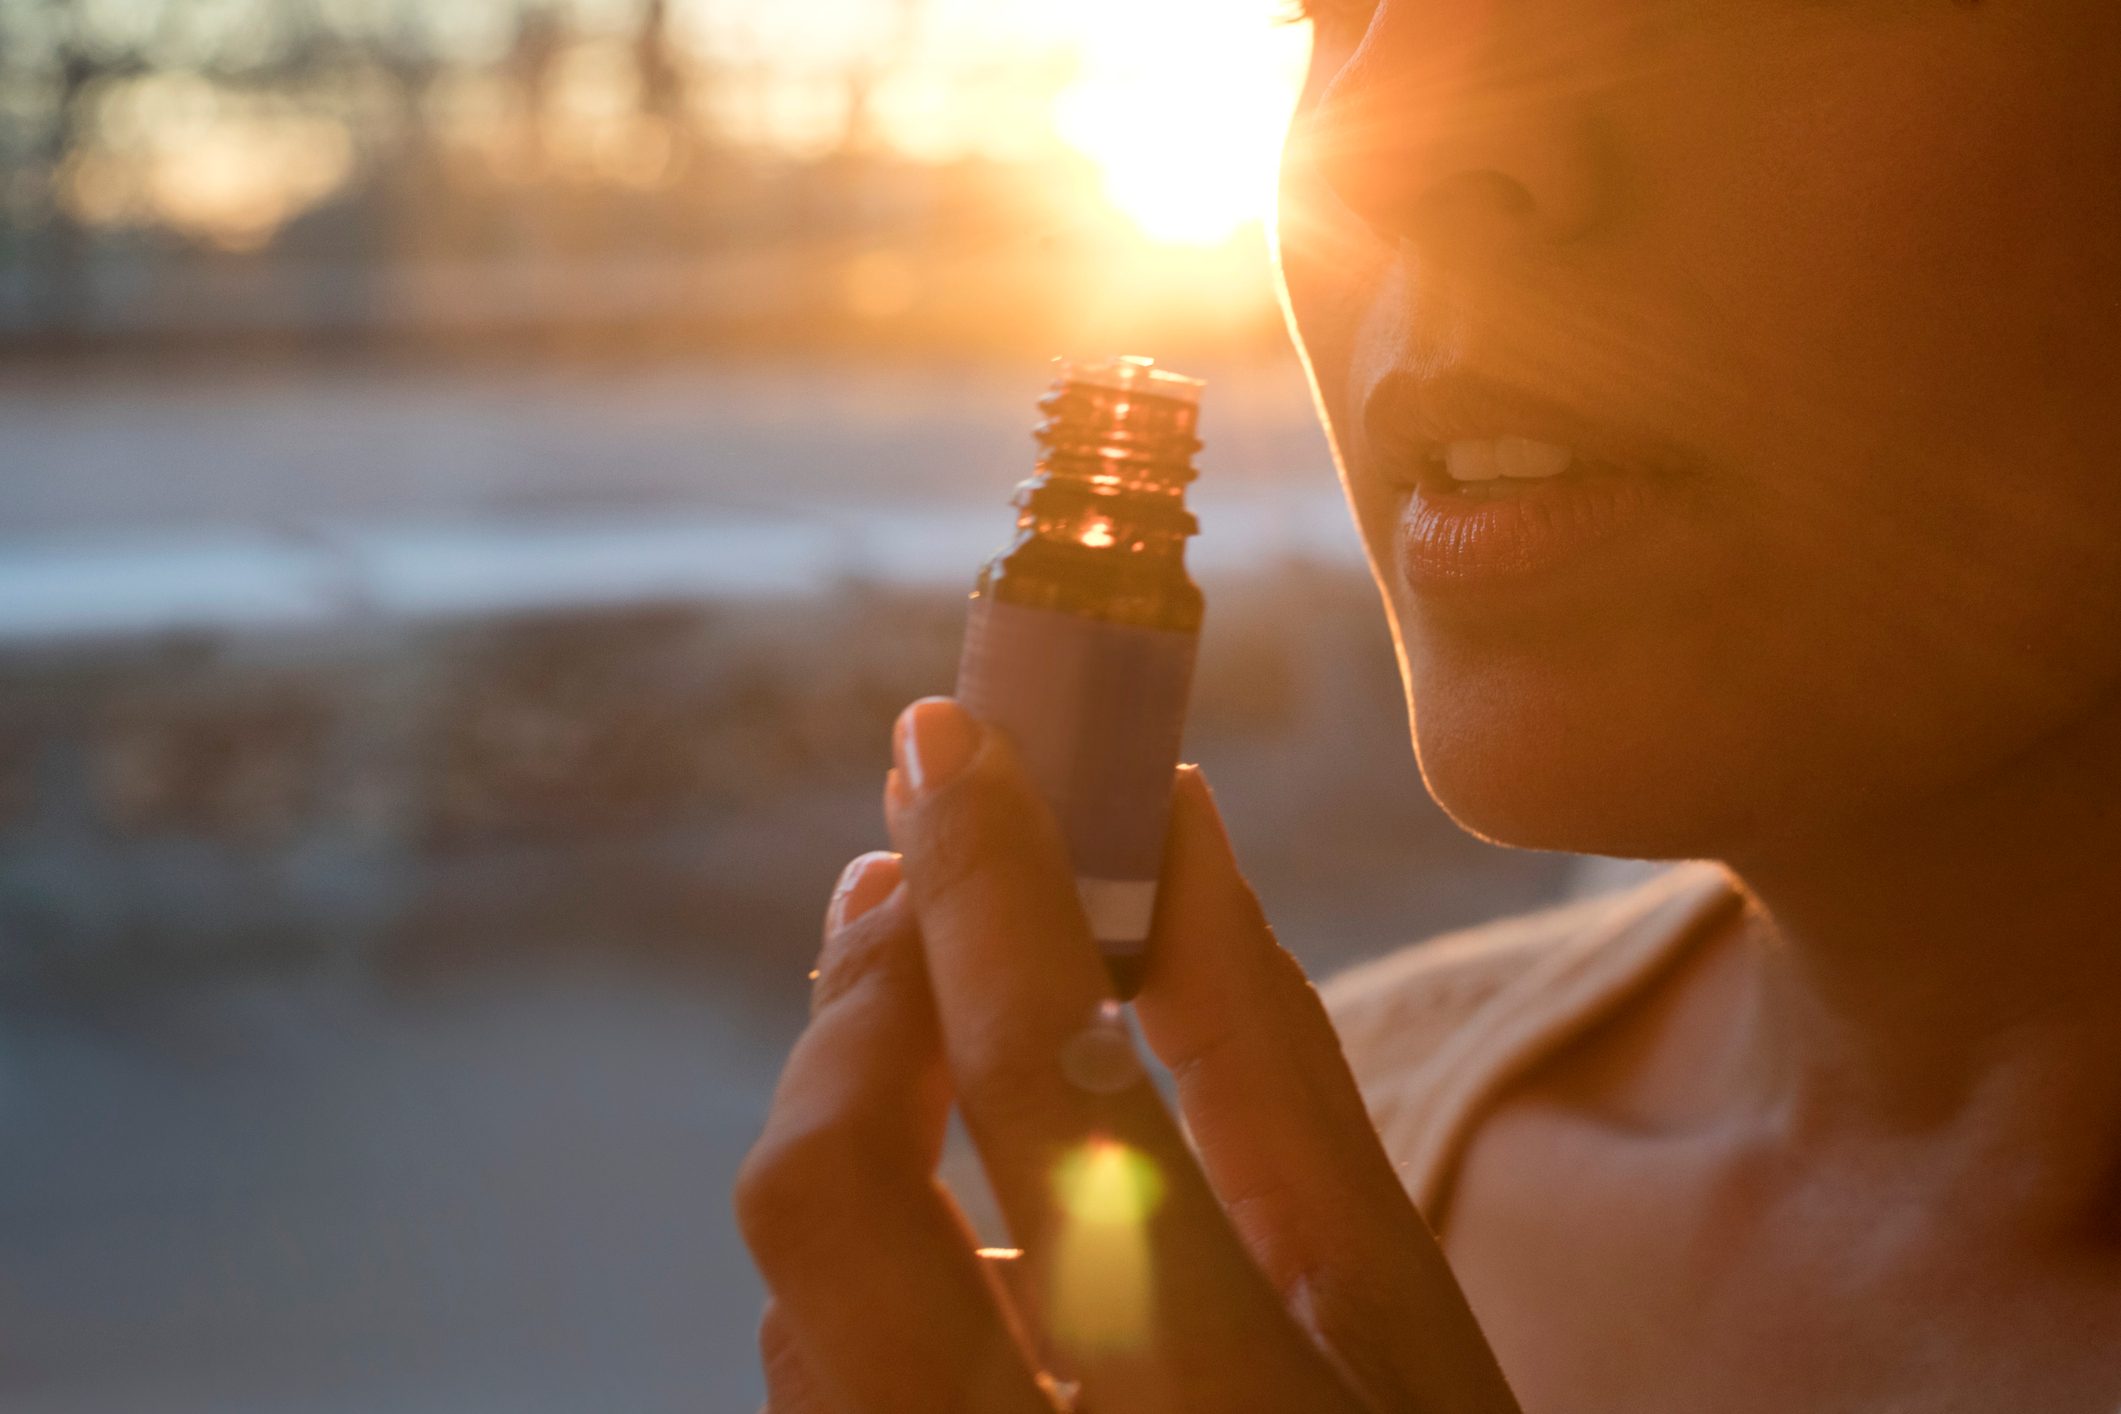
[{"x": 1955, "y": 976}]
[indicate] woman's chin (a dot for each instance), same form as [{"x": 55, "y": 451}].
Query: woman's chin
[{"x": 1567, "y": 783}]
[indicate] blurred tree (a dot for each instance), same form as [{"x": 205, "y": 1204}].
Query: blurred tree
[
  {"x": 866, "y": 74},
  {"x": 59, "y": 52},
  {"x": 541, "y": 36},
  {"x": 664, "y": 81}
]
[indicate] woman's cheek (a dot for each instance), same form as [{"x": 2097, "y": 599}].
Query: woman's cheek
[{"x": 1928, "y": 318}]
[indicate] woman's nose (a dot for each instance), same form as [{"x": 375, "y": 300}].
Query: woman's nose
[{"x": 1471, "y": 134}]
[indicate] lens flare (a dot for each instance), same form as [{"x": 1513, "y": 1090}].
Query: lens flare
[
  {"x": 1103, "y": 1285},
  {"x": 1107, "y": 1184}
]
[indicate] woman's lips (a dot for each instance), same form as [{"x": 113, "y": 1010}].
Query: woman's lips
[
  {"x": 1454, "y": 538},
  {"x": 1507, "y": 489}
]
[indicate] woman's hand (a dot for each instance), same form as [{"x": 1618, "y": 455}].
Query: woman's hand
[{"x": 1282, "y": 1268}]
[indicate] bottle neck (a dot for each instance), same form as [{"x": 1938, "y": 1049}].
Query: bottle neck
[
  {"x": 1102, "y": 523},
  {"x": 1118, "y": 443},
  {"x": 1110, "y": 524},
  {"x": 1112, "y": 472}
]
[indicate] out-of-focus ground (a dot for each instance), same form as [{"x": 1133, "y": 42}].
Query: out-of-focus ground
[{"x": 418, "y": 788}]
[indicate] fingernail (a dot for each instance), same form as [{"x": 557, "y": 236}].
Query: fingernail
[
  {"x": 935, "y": 740},
  {"x": 866, "y": 882}
]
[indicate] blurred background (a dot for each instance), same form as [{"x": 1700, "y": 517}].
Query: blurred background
[{"x": 476, "y": 482}]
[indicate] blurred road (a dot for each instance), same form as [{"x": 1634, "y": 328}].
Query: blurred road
[
  {"x": 171, "y": 447},
  {"x": 287, "y": 1195},
  {"x": 263, "y": 499}
]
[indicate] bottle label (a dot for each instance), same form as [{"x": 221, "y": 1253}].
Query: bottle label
[{"x": 1096, "y": 711}]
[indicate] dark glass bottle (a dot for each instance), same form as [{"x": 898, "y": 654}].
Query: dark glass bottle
[{"x": 1082, "y": 631}]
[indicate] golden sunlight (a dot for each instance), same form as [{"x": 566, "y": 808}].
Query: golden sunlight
[
  {"x": 1102, "y": 1283},
  {"x": 1181, "y": 104}
]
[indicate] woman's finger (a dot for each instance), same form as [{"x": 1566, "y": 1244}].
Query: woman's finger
[
  {"x": 866, "y": 882},
  {"x": 790, "y": 1387},
  {"x": 1139, "y": 1279},
  {"x": 1005, "y": 1265},
  {"x": 1283, "y": 1134},
  {"x": 869, "y": 1263}
]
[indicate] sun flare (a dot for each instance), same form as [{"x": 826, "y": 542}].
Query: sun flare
[
  {"x": 1102, "y": 1283},
  {"x": 1181, "y": 104}
]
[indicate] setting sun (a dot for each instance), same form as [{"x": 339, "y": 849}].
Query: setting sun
[{"x": 1181, "y": 104}]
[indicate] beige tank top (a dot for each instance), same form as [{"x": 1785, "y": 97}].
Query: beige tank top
[{"x": 1436, "y": 1033}]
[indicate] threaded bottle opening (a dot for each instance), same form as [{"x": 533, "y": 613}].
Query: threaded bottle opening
[
  {"x": 1120, "y": 426},
  {"x": 1129, "y": 373}
]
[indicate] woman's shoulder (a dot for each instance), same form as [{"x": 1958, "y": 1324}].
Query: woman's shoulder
[{"x": 1428, "y": 1029}]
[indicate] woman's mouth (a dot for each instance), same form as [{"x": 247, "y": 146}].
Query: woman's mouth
[
  {"x": 1511, "y": 508},
  {"x": 1499, "y": 493}
]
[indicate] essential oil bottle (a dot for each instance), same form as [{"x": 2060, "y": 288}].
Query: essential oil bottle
[{"x": 1082, "y": 631}]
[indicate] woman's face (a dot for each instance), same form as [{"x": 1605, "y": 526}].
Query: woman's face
[{"x": 1823, "y": 296}]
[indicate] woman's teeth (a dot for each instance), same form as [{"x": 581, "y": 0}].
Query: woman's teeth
[{"x": 1500, "y": 458}]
